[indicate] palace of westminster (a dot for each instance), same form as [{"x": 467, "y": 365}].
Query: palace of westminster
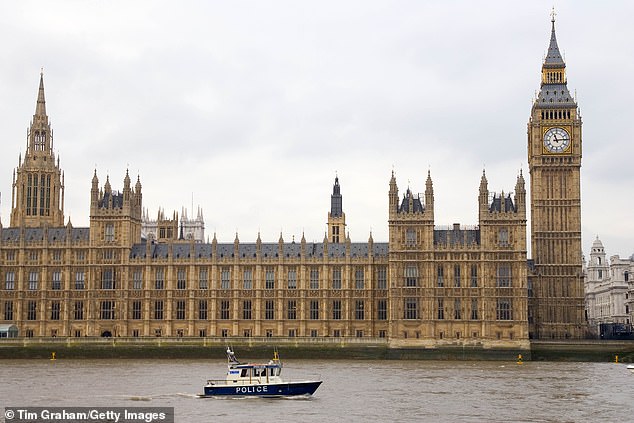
[{"x": 127, "y": 276}]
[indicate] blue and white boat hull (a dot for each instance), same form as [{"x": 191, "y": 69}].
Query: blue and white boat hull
[{"x": 285, "y": 389}]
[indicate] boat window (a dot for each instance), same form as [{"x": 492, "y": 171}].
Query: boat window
[{"x": 243, "y": 373}]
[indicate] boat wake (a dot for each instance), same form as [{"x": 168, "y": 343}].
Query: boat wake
[
  {"x": 186, "y": 395},
  {"x": 137, "y": 398},
  {"x": 154, "y": 397}
]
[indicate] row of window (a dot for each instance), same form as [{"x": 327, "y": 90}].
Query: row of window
[
  {"x": 108, "y": 279},
  {"x": 412, "y": 236},
  {"x": 107, "y": 310},
  {"x": 504, "y": 310},
  {"x": 56, "y": 280},
  {"x": 54, "y": 255},
  {"x": 411, "y": 278},
  {"x": 503, "y": 276},
  {"x": 269, "y": 333}
]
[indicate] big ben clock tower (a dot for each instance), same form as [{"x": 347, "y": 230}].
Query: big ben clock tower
[{"x": 556, "y": 308}]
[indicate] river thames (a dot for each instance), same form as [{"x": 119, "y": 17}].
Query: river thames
[{"x": 352, "y": 391}]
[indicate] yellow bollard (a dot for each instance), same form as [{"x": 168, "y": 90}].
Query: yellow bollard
[
  {"x": 53, "y": 356},
  {"x": 519, "y": 359},
  {"x": 616, "y": 358}
]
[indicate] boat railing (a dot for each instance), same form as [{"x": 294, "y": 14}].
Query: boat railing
[
  {"x": 238, "y": 381},
  {"x": 257, "y": 381}
]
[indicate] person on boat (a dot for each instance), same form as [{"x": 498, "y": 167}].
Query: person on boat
[{"x": 231, "y": 356}]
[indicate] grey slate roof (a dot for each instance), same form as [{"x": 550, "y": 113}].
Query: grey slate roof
[
  {"x": 417, "y": 204},
  {"x": 117, "y": 200},
  {"x": 37, "y": 234},
  {"x": 496, "y": 204},
  {"x": 336, "y": 207},
  {"x": 248, "y": 250},
  {"x": 10, "y": 234},
  {"x": 553, "y": 58},
  {"x": 555, "y": 95}
]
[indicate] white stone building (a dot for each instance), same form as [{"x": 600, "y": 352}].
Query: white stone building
[
  {"x": 165, "y": 229},
  {"x": 608, "y": 289}
]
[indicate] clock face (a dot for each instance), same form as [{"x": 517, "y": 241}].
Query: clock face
[{"x": 557, "y": 140}]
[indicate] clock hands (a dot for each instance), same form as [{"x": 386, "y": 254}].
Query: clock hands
[
  {"x": 559, "y": 141},
  {"x": 556, "y": 140}
]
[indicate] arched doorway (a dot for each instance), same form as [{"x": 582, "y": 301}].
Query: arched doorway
[{"x": 106, "y": 334}]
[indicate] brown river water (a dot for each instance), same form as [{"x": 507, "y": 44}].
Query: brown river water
[{"x": 352, "y": 391}]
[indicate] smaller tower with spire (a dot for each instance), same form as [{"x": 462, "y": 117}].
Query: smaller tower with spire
[
  {"x": 38, "y": 182},
  {"x": 336, "y": 216}
]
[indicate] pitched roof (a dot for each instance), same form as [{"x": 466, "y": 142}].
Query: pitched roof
[{"x": 553, "y": 58}]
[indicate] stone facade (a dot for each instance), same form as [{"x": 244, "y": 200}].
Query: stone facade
[
  {"x": 608, "y": 289},
  {"x": 427, "y": 286},
  {"x": 556, "y": 303},
  {"x": 458, "y": 284}
]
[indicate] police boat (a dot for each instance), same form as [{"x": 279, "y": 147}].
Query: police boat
[{"x": 257, "y": 380}]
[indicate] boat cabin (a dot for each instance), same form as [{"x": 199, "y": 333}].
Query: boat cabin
[{"x": 255, "y": 370}]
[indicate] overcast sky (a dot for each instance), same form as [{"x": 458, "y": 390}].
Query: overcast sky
[{"x": 249, "y": 109}]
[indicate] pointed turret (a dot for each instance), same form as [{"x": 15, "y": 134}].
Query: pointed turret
[
  {"x": 393, "y": 195},
  {"x": 126, "y": 180},
  {"x": 336, "y": 201},
  {"x": 483, "y": 198},
  {"x": 336, "y": 216},
  {"x": 429, "y": 194},
  {"x": 520, "y": 194},
  {"x": 40, "y": 107},
  {"x": 280, "y": 245},
  {"x": 126, "y": 187},
  {"x": 94, "y": 191},
  {"x": 214, "y": 247},
  {"x": 95, "y": 181},
  {"x": 258, "y": 246},
  {"x": 553, "y": 58}
]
